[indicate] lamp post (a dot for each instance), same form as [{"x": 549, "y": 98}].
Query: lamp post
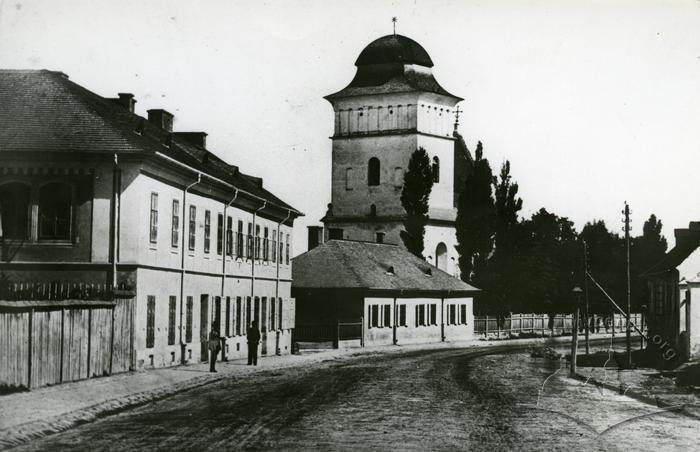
[{"x": 574, "y": 330}]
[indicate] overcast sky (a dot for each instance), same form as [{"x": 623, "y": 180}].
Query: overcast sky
[{"x": 593, "y": 102}]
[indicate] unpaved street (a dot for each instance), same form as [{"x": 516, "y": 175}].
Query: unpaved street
[{"x": 421, "y": 400}]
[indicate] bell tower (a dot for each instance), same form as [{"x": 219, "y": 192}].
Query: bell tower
[{"x": 392, "y": 107}]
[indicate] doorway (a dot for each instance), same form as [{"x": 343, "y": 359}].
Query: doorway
[{"x": 204, "y": 326}]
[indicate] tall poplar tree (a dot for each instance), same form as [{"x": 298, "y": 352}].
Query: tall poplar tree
[
  {"x": 417, "y": 185},
  {"x": 475, "y": 219}
]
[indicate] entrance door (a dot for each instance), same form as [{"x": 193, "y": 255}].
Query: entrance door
[{"x": 204, "y": 326}]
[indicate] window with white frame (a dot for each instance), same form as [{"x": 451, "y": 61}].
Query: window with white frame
[
  {"x": 452, "y": 314},
  {"x": 463, "y": 314},
  {"x": 402, "y": 315},
  {"x": 192, "y": 228},
  {"x": 374, "y": 316},
  {"x": 433, "y": 314},
  {"x": 207, "y": 230},
  {"x": 153, "y": 227},
  {"x": 387, "y": 315},
  {"x": 175, "y": 231}
]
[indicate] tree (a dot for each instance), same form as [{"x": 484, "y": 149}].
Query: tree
[
  {"x": 417, "y": 185},
  {"x": 475, "y": 220},
  {"x": 646, "y": 250},
  {"x": 553, "y": 262},
  {"x": 502, "y": 278}
]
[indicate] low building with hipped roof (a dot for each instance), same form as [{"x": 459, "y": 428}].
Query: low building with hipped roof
[{"x": 377, "y": 294}]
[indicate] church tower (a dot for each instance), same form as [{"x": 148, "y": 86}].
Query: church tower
[{"x": 392, "y": 107}]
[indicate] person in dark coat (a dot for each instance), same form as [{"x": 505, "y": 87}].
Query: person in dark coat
[
  {"x": 214, "y": 347},
  {"x": 253, "y": 340}
]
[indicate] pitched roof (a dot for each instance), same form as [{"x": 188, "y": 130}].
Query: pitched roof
[
  {"x": 44, "y": 111},
  {"x": 687, "y": 241},
  {"x": 344, "y": 264}
]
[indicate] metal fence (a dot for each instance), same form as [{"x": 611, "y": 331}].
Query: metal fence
[{"x": 539, "y": 324}]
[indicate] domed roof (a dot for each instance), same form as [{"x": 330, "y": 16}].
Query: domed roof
[{"x": 394, "y": 49}]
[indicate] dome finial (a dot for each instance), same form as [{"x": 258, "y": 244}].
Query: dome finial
[
  {"x": 457, "y": 112},
  {"x": 393, "y": 19}
]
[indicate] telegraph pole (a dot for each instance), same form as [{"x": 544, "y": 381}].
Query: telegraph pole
[
  {"x": 629, "y": 295},
  {"x": 585, "y": 292}
]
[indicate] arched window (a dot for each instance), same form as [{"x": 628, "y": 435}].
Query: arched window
[
  {"x": 14, "y": 210},
  {"x": 441, "y": 256},
  {"x": 436, "y": 170},
  {"x": 55, "y": 211},
  {"x": 372, "y": 210},
  {"x": 373, "y": 172}
]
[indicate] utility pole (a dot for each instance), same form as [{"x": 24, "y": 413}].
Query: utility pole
[
  {"x": 629, "y": 298},
  {"x": 574, "y": 330},
  {"x": 585, "y": 292}
]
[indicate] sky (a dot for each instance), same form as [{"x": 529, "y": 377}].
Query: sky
[{"x": 593, "y": 102}]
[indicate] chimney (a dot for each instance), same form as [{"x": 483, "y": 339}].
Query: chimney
[
  {"x": 198, "y": 139},
  {"x": 161, "y": 118},
  {"x": 127, "y": 101},
  {"x": 315, "y": 236}
]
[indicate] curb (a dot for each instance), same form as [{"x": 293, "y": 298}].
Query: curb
[{"x": 635, "y": 394}]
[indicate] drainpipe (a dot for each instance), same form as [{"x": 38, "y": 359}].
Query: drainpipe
[
  {"x": 185, "y": 220},
  {"x": 252, "y": 262},
  {"x": 396, "y": 317},
  {"x": 277, "y": 280},
  {"x": 116, "y": 189},
  {"x": 277, "y": 283},
  {"x": 223, "y": 265}
]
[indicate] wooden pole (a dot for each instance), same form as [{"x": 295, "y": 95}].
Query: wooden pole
[
  {"x": 585, "y": 294},
  {"x": 629, "y": 298},
  {"x": 574, "y": 343}
]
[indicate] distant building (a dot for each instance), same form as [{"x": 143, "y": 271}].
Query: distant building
[
  {"x": 392, "y": 107},
  {"x": 673, "y": 312},
  {"x": 377, "y": 294},
  {"x": 90, "y": 192}
]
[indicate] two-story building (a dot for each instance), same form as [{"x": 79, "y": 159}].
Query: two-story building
[{"x": 91, "y": 192}]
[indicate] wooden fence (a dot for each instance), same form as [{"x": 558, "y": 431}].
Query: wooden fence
[
  {"x": 55, "y": 340},
  {"x": 539, "y": 324},
  {"x": 328, "y": 332}
]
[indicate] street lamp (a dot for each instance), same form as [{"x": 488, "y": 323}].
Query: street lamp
[{"x": 574, "y": 329}]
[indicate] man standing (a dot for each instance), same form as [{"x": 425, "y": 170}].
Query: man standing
[
  {"x": 214, "y": 346},
  {"x": 253, "y": 340}
]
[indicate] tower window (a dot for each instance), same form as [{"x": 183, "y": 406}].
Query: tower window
[
  {"x": 380, "y": 237},
  {"x": 436, "y": 170},
  {"x": 373, "y": 172},
  {"x": 372, "y": 210},
  {"x": 348, "y": 178}
]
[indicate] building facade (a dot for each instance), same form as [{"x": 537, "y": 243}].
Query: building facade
[
  {"x": 393, "y": 107},
  {"x": 674, "y": 288},
  {"x": 392, "y": 296},
  {"x": 91, "y": 192}
]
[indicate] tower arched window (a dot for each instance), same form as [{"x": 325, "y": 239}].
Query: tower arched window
[
  {"x": 55, "y": 211},
  {"x": 373, "y": 172},
  {"x": 372, "y": 210},
  {"x": 441, "y": 256},
  {"x": 436, "y": 170},
  {"x": 14, "y": 211}
]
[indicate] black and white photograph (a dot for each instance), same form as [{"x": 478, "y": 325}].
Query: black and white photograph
[{"x": 377, "y": 225}]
